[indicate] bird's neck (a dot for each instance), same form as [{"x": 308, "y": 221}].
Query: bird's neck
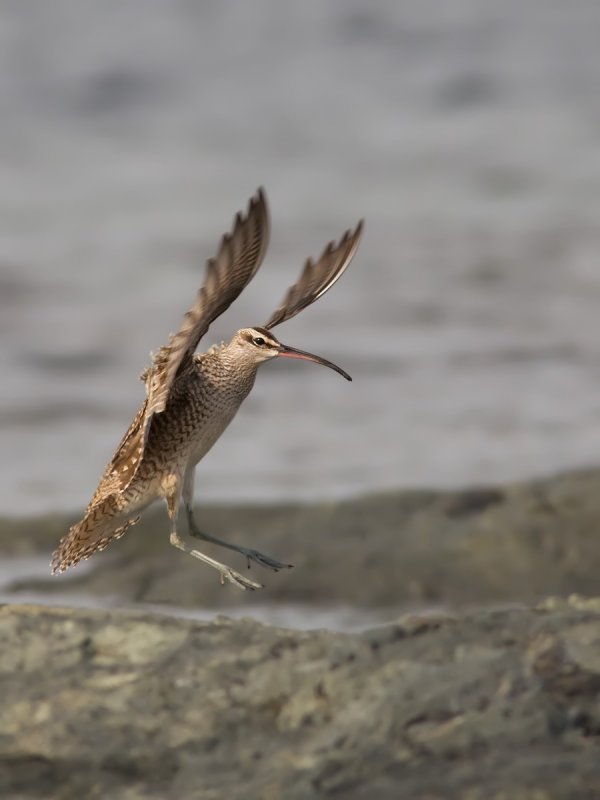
[{"x": 226, "y": 364}]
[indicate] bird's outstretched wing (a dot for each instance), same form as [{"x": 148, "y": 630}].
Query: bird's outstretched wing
[
  {"x": 317, "y": 277},
  {"x": 240, "y": 255}
]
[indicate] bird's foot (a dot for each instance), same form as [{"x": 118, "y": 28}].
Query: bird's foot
[
  {"x": 263, "y": 560},
  {"x": 248, "y": 553},
  {"x": 228, "y": 574}
]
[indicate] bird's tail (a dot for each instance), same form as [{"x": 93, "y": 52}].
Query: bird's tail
[{"x": 102, "y": 524}]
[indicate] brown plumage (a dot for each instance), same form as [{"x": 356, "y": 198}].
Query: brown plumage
[{"x": 190, "y": 399}]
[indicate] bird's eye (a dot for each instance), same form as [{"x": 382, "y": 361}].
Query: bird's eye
[{"x": 258, "y": 340}]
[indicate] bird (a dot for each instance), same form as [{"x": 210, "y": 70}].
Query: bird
[{"x": 192, "y": 397}]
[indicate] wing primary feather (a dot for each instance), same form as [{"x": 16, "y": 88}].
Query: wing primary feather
[{"x": 317, "y": 277}]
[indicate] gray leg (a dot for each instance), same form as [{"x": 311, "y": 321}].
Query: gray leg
[
  {"x": 227, "y": 574},
  {"x": 247, "y": 552}
]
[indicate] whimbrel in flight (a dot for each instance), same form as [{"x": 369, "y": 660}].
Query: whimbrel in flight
[{"x": 191, "y": 398}]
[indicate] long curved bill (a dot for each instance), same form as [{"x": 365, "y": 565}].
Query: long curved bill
[{"x": 291, "y": 352}]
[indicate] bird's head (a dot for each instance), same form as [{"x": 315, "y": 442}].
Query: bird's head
[{"x": 256, "y": 345}]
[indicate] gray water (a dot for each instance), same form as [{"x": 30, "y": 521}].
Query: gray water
[{"x": 466, "y": 132}]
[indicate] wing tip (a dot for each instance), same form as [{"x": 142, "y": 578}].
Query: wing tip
[
  {"x": 259, "y": 200},
  {"x": 350, "y": 236},
  {"x": 355, "y": 235}
]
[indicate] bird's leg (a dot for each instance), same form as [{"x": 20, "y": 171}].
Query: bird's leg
[
  {"x": 227, "y": 574},
  {"x": 247, "y": 552}
]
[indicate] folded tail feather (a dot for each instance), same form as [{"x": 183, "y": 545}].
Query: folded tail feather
[{"x": 101, "y": 525}]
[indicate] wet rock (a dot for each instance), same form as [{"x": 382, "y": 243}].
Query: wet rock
[
  {"x": 494, "y": 704},
  {"x": 518, "y": 543}
]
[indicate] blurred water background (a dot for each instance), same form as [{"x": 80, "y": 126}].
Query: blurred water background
[{"x": 466, "y": 132}]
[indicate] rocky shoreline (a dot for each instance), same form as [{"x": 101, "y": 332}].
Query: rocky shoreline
[{"x": 487, "y": 705}]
